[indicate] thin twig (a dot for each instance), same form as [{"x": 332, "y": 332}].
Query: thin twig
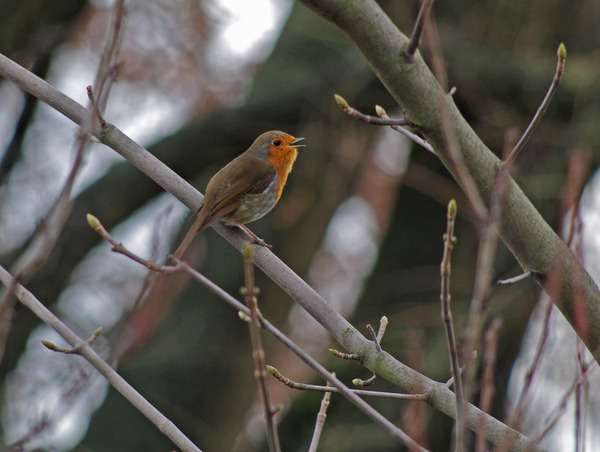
[
  {"x": 417, "y": 34},
  {"x": 415, "y": 418},
  {"x": 106, "y": 74},
  {"x": 383, "y": 120},
  {"x": 364, "y": 383},
  {"x": 514, "y": 279},
  {"x": 450, "y": 382},
  {"x": 578, "y": 164},
  {"x": 488, "y": 245},
  {"x": 413, "y": 136},
  {"x": 321, "y": 416},
  {"x": 94, "y": 104},
  {"x": 488, "y": 387},
  {"x": 374, "y": 337},
  {"x": 352, "y": 112},
  {"x": 560, "y": 68},
  {"x": 319, "y": 388},
  {"x": 258, "y": 352},
  {"x": 76, "y": 350},
  {"x": 342, "y": 355},
  {"x": 118, "y": 247},
  {"x": 454, "y": 154},
  {"x": 580, "y": 401},
  {"x": 445, "y": 268}
]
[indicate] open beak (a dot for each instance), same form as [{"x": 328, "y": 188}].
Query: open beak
[{"x": 295, "y": 140}]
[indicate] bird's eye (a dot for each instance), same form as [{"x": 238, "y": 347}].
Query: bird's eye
[{"x": 276, "y": 142}]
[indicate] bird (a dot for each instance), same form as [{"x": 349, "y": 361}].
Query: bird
[{"x": 248, "y": 187}]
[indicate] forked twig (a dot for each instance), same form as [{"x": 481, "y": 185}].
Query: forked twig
[
  {"x": 354, "y": 113},
  {"x": 383, "y": 120},
  {"x": 362, "y": 392},
  {"x": 75, "y": 350}
]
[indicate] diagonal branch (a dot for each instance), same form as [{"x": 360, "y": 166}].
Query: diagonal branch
[
  {"x": 84, "y": 349},
  {"x": 438, "y": 395},
  {"x": 531, "y": 240}
]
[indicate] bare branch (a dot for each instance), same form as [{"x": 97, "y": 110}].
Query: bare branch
[
  {"x": 321, "y": 416},
  {"x": 85, "y": 350},
  {"x": 449, "y": 242},
  {"x": 341, "y": 355},
  {"x": 364, "y": 383},
  {"x": 258, "y": 352},
  {"x": 417, "y": 34},
  {"x": 308, "y": 387},
  {"x": 374, "y": 336},
  {"x": 414, "y": 137},
  {"x": 76, "y": 350},
  {"x": 514, "y": 279},
  {"x": 354, "y": 113},
  {"x": 560, "y": 68},
  {"x": 94, "y": 104},
  {"x": 488, "y": 387}
]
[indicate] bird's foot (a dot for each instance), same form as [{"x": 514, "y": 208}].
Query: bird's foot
[
  {"x": 261, "y": 242},
  {"x": 255, "y": 239}
]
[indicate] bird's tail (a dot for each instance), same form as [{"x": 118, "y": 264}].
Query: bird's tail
[{"x": 199, "y": 224}]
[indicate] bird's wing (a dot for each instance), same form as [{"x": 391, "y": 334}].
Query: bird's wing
[{"x": 225, "y": 192}]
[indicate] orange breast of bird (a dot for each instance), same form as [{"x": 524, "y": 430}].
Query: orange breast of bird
[{"x": 282, "y": 158}]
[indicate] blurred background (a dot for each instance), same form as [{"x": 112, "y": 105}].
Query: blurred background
[{"x": 361, "y": 218}]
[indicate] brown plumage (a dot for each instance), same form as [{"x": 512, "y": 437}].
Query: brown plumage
[{"x": 248, "y": 187}]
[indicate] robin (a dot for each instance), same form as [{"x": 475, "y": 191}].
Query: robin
[{"x": 248, "y": 187}]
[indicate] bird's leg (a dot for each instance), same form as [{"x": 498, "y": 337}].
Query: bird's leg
[{"x": 256, "y": 240}]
